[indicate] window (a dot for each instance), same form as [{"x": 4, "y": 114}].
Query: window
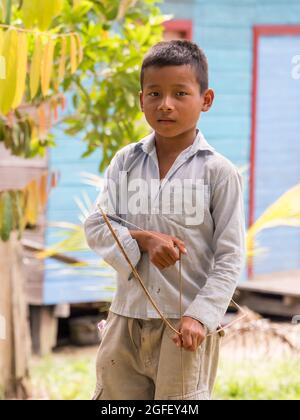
[{"x": 178, "y": 29}]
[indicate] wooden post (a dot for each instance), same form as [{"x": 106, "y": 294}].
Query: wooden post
[
  {"x": 15, "y": 340},
  {"x": 44, "y": 327}
]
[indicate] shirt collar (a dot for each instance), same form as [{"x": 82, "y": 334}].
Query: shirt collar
[{"x": 200, "y": 144}]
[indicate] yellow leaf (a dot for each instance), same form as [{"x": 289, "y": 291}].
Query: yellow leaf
[
  {"x": 2, "y": 59},
  {"x": 32, "y": 203},
  {"x": 35, "y": 69},
  {"x": 40, "y": 12},
  {"x": 43, "y": 190},
  {"x": 47, "y": 11},
  {"x": 8, "y": 85},
  {"x": 76, "y": 3},
  {"x": 80, "y": 49},
  {"x": 283, "y": 211},
  {"x": 58, "y": 5},
  {"x": 62, "y": 63},
  {"x": 42, "y": 121},
  {"x": 73, "y": 53},
  {"x": 47, "y": 65},
  {"x": 21, "y": 68},
  {"x": 1, "y": 39},
  {"x": 29, "y": 12}
]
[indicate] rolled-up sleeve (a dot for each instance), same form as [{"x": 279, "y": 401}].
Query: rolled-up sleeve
[
  {"x": 228, "y": 245},
  {"x": 98, "y": 235}
]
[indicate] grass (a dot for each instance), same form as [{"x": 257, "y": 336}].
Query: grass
[
  {"x": 64, "y": 376},
  {"x": 259, "y": 380},
  {"x": 71, "y": 376}
]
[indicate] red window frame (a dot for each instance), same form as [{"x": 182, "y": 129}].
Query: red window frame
[
  {"x": 181, "y": 25},
  {"x": 258, "y": 31}
]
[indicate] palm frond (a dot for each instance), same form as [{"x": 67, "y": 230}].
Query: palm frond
[{"x": 284, "y": 212}]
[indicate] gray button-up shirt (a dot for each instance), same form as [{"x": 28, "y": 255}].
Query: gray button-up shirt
[{"x": 214, "y": 238}]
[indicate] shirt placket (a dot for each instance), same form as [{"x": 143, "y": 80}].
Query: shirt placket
[{"x": 181, "y": 159}]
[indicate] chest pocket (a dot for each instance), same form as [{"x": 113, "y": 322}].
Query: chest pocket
[{"x": 186, "y": 205}]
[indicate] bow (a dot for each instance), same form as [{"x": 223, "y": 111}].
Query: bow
[
  {"x": 136, "y": 274},
  {"x": 220, "y": 330}
]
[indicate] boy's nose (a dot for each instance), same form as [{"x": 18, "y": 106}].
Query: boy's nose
[{"x": 166, "y": 105}]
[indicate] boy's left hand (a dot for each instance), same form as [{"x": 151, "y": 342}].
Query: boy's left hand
[{"x": 193, "y": 334}]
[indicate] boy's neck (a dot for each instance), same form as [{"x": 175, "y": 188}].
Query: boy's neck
[{"x": 175, "y": 145}]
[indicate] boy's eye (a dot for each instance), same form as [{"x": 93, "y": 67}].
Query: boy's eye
[{"x": 155, "y": 94}]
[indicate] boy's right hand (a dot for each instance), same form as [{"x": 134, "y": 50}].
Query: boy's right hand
[{"x": 163, "y": 249}]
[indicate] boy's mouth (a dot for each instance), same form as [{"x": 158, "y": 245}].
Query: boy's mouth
[{"x": 166, "y": 121}]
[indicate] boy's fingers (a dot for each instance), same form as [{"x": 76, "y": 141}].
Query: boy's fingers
[
  {"x": 173, "y": 254},
  {"x": 180, "y": 245},
  {"x": 194, "y": 342},
  {"x": 200, "y": 341},
  {"x": 158, "y": 263},
  {"x": 187, "y": 340},
  {"x": 166, "y": 259},
  {"x": 177, "y": 340}
]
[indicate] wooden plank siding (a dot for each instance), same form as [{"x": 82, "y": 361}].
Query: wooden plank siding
[{"x": 16, "y": 173}]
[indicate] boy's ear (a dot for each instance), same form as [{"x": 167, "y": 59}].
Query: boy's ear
[
  {"x": 209, "y": 96},
  {"x": 141, "y": 100}
]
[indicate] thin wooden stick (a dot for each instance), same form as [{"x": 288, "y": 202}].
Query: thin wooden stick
[{"x": 180, "y": 312}]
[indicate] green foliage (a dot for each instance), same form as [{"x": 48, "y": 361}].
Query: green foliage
[
  {"x": 259, "y": 380},
  {"x": 22, "y": 139},
  {"x": 64, "y": 377},
  {"x": 6, "y": 218},
  {"x": 115, "y": 36}
]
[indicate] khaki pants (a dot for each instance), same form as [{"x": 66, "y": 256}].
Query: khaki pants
[{"x": 137, "y": 360}]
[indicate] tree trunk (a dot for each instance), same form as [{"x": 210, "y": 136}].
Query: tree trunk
[{"x": 14, "y": 328}]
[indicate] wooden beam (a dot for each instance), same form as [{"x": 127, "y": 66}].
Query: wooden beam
[{"x": 15, "y": 348}]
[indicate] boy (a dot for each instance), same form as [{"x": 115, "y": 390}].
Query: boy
[{"x": 139, "y": 356}]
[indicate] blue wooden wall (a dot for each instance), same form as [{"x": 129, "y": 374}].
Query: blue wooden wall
[
  {"x": 223, "y": 28},
  {"x": 62, "y": 283}
]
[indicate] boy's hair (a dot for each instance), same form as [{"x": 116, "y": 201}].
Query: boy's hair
[{"x": 178, "y": 53}]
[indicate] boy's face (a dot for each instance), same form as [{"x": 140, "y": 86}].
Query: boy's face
[{"x": 171, "y": 99}]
